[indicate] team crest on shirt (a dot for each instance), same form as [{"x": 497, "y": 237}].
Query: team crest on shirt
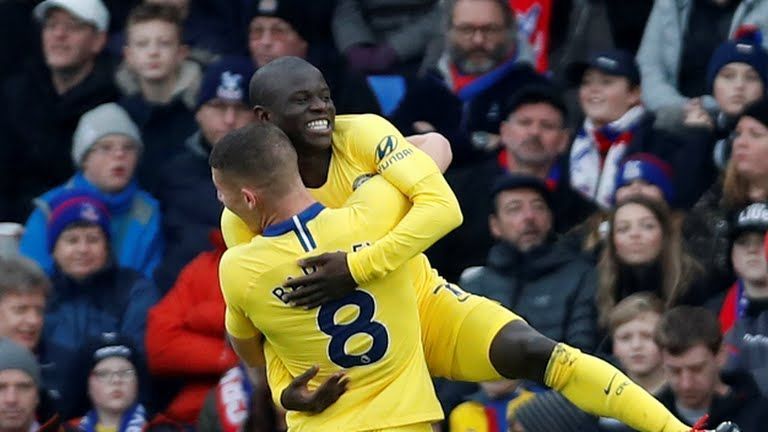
[
  {"x": 386, "y": 146},
  {"x": 360, "y": 180}
]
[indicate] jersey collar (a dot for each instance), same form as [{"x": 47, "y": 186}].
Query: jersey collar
[{"x": 288, "y": 225}]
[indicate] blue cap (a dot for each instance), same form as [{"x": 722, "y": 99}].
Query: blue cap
[
  {"x": 747, "y": 47},
  {"x": 612, "y": 62},
  {"x": 76, "y": 206},
  {"x": 226, "y": 79},
  {"x": 650, "y": 169}
]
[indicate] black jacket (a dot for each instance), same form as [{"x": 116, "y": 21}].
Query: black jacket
[
  {"x": 164, "y": 128},
  {"x": 36, "y": 128},
  {"x": 468, "y": 245},
  {"x": 743, "y": 405},
  {"x": 748, "y": 343},
  {"x": 551, "y": 286},
  {"x": 432, "y": 100},
  {"x": 190, "y": 209}
]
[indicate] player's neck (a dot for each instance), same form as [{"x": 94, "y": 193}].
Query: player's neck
[{"x": 287, "y": 206}]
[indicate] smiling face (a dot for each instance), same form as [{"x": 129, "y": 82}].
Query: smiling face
[
  {"x": 302, "y": 107},
  {"x": 81, "y": 251},
  {"x": 21, "y": 317},
  {"x": 604, "y": 98}
]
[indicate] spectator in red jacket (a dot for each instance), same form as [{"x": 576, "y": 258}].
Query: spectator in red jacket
[{"x": 185, "y": 335}]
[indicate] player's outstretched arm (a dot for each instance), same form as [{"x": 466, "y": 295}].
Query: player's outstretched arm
[
  {"x": 435, "y": 212},
  {"x": 435, "y": 146}
]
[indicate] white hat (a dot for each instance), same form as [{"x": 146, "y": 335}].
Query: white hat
[
  {"x": 106, "y": 119},
  {"x": 91, "y": 11}
]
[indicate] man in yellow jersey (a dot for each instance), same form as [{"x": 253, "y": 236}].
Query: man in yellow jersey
[
  {"x": 465, "y": 337},
  {"x": 372, "y": 332}
]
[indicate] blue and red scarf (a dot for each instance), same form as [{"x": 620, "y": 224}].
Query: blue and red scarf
[{"x": 133, "y": 420}]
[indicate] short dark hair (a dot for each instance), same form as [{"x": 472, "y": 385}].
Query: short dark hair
[
  {"x": 20, "y": 275},
  {"x": 512, "y": 181},
  {"x": 685, "y": 327},
  {"x": 259, "y": 152},
  {"x": 153, "y": 11},
  {"x": 532, "y": 94},
  {"x": 265, "y": 81}
]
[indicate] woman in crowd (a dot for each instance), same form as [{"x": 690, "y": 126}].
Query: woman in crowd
[
  {"x": 707, "y": 228},
  {"x": 92, "y": 295},
  {"x": 643, "y": 252}
]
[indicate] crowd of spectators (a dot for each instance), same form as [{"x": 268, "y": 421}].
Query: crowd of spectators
[{"x": 610, "y": 159}]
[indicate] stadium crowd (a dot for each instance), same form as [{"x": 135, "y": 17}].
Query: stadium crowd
[{"x": 610, "y": 159}]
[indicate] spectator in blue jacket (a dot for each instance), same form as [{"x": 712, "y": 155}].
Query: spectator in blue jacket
[
  {"x": 92, "y": 296},
  {"x": 106, "y": 148}
]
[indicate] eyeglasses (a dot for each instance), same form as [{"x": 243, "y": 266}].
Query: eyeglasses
[
  {"x": 105, "y": 375},
  {"x": 466, "y": 31}
]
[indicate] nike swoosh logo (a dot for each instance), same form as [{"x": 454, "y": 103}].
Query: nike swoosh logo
[{"x": 610, "y": 383}]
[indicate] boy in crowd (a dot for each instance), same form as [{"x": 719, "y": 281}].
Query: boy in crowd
[{"x": 159, "y": 85}]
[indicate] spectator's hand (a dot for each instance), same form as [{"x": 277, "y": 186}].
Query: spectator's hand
[
  {"x": 330, "y": 280},
  {"x": 371, "y": 58},
  {"x": 696, "y": 115},
  {"x": 298, "y": 397},
  {"x": 423, "y": 127}
]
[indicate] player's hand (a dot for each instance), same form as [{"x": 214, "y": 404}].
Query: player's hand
[
  {"x": 330, "y": 280},
  {"x": 298, "y": 397}
]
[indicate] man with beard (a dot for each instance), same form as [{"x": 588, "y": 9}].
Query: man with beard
[
  {"x": 533, "y": 139},
  {"x": 483, "y": 63}
]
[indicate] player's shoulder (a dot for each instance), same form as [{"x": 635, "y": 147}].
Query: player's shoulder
[{"x": 246, "y": 259}]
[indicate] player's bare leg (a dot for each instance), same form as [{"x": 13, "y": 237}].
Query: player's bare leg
[{"x": 595, "y": 386}]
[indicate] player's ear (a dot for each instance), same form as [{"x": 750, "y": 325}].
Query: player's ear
[
  {"x": 262, "y": 113},
  {"x": 250, "y": 197}
]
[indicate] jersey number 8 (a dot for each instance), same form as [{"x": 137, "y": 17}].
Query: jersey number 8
[{"x": 363, "y": 323}]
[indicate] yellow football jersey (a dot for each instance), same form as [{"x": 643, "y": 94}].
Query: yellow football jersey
[
  {"x": 373, "y": 333},
  {"x": 364, "y": 145}
]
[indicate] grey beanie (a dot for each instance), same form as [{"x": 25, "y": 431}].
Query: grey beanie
[
  {"x": 106, "y": 119},
  {"x": 15, "y": 356},
  {"x": 549, "y": 412}
]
